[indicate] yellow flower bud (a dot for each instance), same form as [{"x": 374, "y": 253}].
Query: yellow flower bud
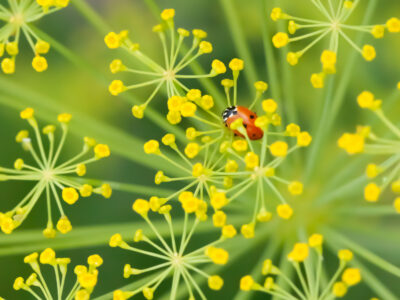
[
  {"x": 315, "y": 240},
  {"x": 295, "y": 188},
  {"x": 116, "y": 87},
  {"x": 269, "y": 106},
  {"x": 318, "y": 80},
  {"x": 141, "y": 207},
  {"x": 372, "y": 192},
  {"x": 218, "y": 66},
  {"x": 192, "y": 149},
  {"x": 351, "y": 276},
  {"x": 228, "y": 231},
  {"x": 284, "y": 211},
  {"x": 95, "y": 260},
  {"x": 219, "y": 218},
  {"x": 39, "y": 63},
  {"x": 27, "y": 113},
  {"x": 240, "y": 145},
  {"x": 299, "y": 253},
  {"x": 64, "y": 225},
  {"x": 8, "y": 65},
  {"x": 70, "y": 195},
  {"x": 280, "y": 39},
  {"x": 339, "y": 289},
  {"x": 218, "y": 256},
  {"x": 247, "y": 230},
  {"x": 246, "y": 283},
  {"x": 167, "y": 14},
  {"x": 278, "y": 149},
  {"x": 152, "y": 147},
  {"x": 236, "y": 64},
  {"x": 345, "y": 255},
  {"x": 368, "y": 52},
  {"x": 48, "y": 256},
  {"x": 215, "y": 282},
  {"x": 393, "y": 25},
  {"x": 205, "y": 47},
  {"x": 218, "y": 200}
]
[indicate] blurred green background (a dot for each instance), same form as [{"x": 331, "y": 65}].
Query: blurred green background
[{"x": 82, "y": 91}]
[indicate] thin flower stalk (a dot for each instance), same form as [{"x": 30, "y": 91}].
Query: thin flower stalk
[
  {"x": 243, "y": 145},
  {"x": 334, "y": 28},
  {"x": 168, "y": 75},
  {"x": 170, "y": 252},
  {"x": 365, "y": 140},
  {"x": 15, "y": 20},
  {"x": 41, "y": 289},
  {"x": 50, "y": 175},
  {"x": 308, "y": 268}
]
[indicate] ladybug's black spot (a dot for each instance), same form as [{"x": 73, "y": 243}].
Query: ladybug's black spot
[
  {"x": 252, "y": 116},
  {"x": 245, "y": 125}
]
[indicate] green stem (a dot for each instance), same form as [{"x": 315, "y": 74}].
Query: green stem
[
  {"x": 339, "y": 239},
  {"x": 91, "y": 16},
  {"x": 239, "y": 39},
  {"x": 374, "y": 283}
]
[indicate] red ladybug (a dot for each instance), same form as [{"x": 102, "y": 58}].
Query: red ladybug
[{"x": 235, "y": 112}]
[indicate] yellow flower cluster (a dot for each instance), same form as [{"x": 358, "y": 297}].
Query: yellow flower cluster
[
  {"x": 241, "y": 163},
  {"x": 202, "y": 175},
  {"x": 310, "y": 287},
  {"x": 167, "y": 75},
  {"x": 17, "y": 19},
  {"x": 171, "y": 252},
  {"x": 49, "y": 174},
  {"x": 366, "y": 141},
  {"x": 86, "y": 277},
  {"x": 333, "y": 27}
]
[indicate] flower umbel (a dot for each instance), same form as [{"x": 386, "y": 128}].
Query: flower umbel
[
  {"x": 168, "y": 75},
  {"x": 174, "y": 259},
  {"x": 50, "y": 175},
  {"x": 36, "y": 284},
  {"x": 336, "y": 14},
  {"x": 309, "y": 280},
  {"x": 244, "y": 146},
  {"x": 366, "y": 141},
  {"x": 18, "y": 18}
]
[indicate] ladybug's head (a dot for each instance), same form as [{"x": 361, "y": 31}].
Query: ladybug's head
[{"x": 229, "y": 112}]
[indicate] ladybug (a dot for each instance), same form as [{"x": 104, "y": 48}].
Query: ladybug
[{"x": 235, "y": 112}]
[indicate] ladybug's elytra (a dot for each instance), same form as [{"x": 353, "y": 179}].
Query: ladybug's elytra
[{"x": 235, "y": 112}]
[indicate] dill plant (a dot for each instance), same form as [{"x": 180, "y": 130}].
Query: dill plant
[{"x": 332, "y": 207}]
